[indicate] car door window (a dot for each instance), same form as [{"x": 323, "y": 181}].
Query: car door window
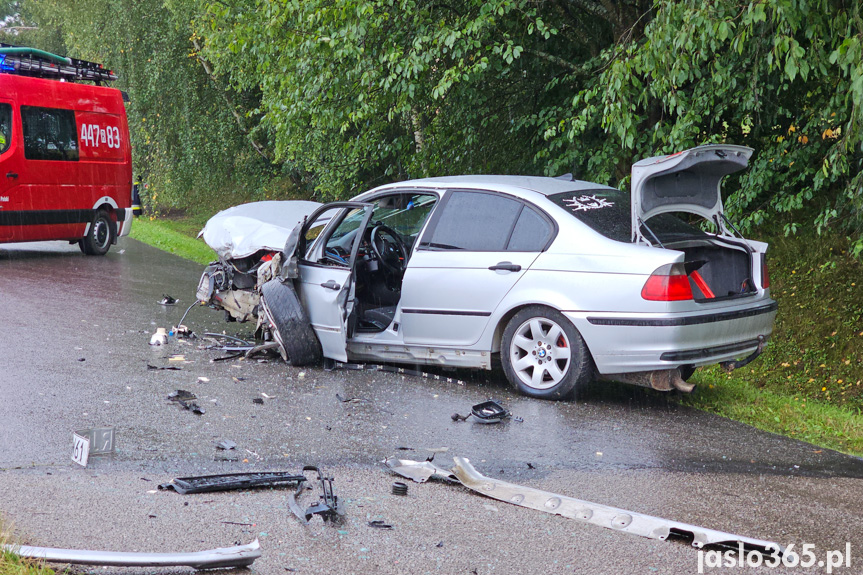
[
  {"x": 474, "y": 221},
  {"x": 5, "y": 127},
  {"x": 531, "y": 232}
]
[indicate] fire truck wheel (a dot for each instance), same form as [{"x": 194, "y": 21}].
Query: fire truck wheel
[{"x": 100, "y": 236}]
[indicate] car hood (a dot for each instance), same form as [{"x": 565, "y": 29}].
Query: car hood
[
  {"x": 242, "y": 230},
  {"x": 688, "y": 181}
]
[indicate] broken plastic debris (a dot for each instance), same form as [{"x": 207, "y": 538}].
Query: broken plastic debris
[
  {"x": 160, "y": 337},
  {"x": 166, "y": 367},
  {"x": 419, "y": 471},
  {"x": 168, "y": 300},
  {"x": 329, "y": 507},
  {"x": 379, "y": 524},
  {"x": 237, "y": 556},
  {"x": 181, "y": 395},
  {"x": 232, "y": 481},
  {"x": 226, "y": 444},
  {"x": 486, "y": 412}
]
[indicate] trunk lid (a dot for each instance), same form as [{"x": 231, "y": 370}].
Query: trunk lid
[{"x": 688, "y": 181}]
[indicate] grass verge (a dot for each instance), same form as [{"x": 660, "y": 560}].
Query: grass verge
[
  {"x": 176, "y": 236},
  {"x": 807, "y": 384},
  {"x": 13, "y": 564},
  {"x": 814, "y": 421}
]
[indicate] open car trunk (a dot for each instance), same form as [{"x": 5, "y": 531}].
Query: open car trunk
[{"x": 719, "y": 266}]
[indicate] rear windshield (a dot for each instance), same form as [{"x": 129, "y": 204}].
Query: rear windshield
[{"x": 609, "y": 212}]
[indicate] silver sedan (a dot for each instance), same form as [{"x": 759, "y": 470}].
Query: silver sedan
[{"x": 564, "y": 281}]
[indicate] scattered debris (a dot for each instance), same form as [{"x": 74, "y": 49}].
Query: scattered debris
[
  {"x": 168, "y": 300},
  {"x": 602, "y": 515},
  {"x": 486, "y": 412},
  {"x": 226, "y": 444},
  {"x": 181, "y": 331},
  {"x": 330, "y": 365},
  {"x": 400, "y": 488},
  {"x": 232, "y": 481},
  {"x": 235, "y": 523},
  {"x": 166, "y": 367},
  {"x": 160, "y": 337},
  {"x": 440, "y": 544},
  {"x": 361, "y": 400},
  {"x": 419, "y": 471},
  {"x": 352, "y": 399},
  {"x": 328, "y": 506},
  {"x": 379, "y": 524},
  {"x": 258, "y": 401},
  {"x": 185, "y": 399},
  {"x": 237, "y": 556},
  {"x": 177, "y": 357},
  {"x": 238, "y": 379},
  {"x": 181, "y": 395},
  {"x": 203, "y": 380}
]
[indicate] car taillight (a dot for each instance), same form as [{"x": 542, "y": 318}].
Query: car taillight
[
  {"x": 667, "y": 283},
  {"x": 765, "y": 275}
]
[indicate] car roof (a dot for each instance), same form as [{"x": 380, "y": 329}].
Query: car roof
[{"x": 542, "y": 185}]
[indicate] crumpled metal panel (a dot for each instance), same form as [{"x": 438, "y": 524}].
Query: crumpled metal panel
[
  {"x": 419, "y": 471},
  {"x": 237, "y": 556},
  {"x": 602, "y": 515}
]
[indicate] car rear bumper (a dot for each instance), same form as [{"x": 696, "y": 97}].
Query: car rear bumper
[{"x": 632, "y": 342}]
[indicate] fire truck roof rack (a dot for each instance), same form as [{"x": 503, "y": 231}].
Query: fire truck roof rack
[{"x": 40, "y": 64}]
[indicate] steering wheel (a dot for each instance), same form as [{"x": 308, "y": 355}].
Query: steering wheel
[{"x": 391, "y": 252}]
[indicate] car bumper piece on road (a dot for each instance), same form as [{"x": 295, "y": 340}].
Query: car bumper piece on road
[
  {"x": 602, "y": 515},
  {"x": 237, "y": 556}
]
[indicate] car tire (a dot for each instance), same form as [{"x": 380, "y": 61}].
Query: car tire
[
  {"x": 543, "y": 355},
  {"x": 100, "y": 235},
  {"x": 291, "y": 327}
]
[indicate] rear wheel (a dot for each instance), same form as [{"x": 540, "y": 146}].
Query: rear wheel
[
  {"x": 291, "y": 327},
  {"x": 100, "y": 236},
  {"x": 543, "y": 354}
]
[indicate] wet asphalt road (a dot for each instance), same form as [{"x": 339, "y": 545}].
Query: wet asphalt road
[{"x": 75, "y": 353}]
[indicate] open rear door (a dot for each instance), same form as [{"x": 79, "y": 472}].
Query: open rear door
[{"x": 688, "y": 181}]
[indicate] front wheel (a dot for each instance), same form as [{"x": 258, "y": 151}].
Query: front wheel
[
  {"x": 543, "y": 355},
  {"x": 100, "y": 236}
]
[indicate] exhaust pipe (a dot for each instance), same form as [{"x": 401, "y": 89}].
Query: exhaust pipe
[{"x": 660, "y": 380}]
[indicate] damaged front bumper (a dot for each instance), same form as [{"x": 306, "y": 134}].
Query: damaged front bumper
[{"x": 237, "y": 556}]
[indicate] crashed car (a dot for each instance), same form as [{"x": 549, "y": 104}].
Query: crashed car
[{"x": 561, "y": 281}]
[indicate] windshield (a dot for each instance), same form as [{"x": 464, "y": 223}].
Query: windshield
[{"x": 609, "y": 212}]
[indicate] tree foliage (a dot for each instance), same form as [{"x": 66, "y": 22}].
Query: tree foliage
[{"x": 335, "y": 96}]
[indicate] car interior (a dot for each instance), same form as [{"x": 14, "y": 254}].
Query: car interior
[{"x": 384, "y": 251}]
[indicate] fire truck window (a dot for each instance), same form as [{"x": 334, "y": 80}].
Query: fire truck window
[
  {"x": 5, "y": 127},
  {"x": 49, "y": 134}
]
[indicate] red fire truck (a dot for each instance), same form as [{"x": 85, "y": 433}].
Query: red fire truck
[{"x": 65, "y": 155}]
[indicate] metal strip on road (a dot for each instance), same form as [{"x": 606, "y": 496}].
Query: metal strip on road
[
  {"x": 602, "y": 515},
  {"x": 237, "y": 556}
]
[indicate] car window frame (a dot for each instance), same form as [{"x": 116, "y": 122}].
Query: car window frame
[
  {"x": 402, "y": 191},
  {"x": 427, "y": 235}
]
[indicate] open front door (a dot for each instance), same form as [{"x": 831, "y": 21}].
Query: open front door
[{"x": 326, "y": 254}]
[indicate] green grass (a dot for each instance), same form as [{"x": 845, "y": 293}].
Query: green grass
[
  {"x": 12, "y": 564},
  {"x": 176, "y": 236},
  {"x": 815, "y": 421},
  {"x": 808, "y": 384}
]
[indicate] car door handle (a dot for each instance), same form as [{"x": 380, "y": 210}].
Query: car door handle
[
  {"x": 12, "y": 175},
  {"x": 330, "y": 284},
  {"x": 506, "y": 266}
]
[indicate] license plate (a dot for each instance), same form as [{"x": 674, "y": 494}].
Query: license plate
[{"x": 80, "y": 449}]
